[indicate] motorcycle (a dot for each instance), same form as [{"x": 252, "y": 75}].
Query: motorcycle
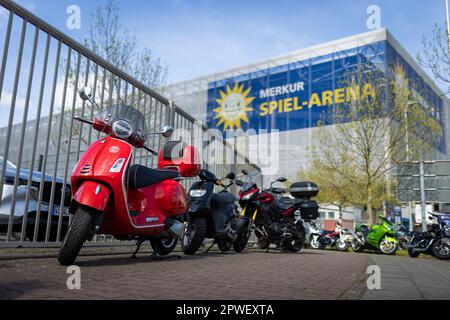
[
  {"x": 435, "y": 241},
  {"x": 275, "y": 222},
  {"x": 340, "y": 239},
  {"x": 380, "y": 237},
  {"x": 210, "y": 215},
  {"x": 315, "y": 236},
  {"x": 129, "y": 202}
]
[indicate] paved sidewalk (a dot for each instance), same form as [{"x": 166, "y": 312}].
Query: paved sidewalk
[
  {"x": 409, "y": 278},
  {"x": 253, "y": 274}
]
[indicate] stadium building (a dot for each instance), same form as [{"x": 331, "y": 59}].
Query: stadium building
[{"x": 287, "y": 92}]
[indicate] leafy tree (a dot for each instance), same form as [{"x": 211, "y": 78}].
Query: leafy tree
[{"x": 369, "y": 138}]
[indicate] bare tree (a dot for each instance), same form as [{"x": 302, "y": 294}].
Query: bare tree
[
  {"x": 111, "y": 41},
  {"x": 435, "y": 54}
]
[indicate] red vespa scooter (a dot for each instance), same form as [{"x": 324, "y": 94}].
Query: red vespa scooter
[{"x": 130, "y": 202}]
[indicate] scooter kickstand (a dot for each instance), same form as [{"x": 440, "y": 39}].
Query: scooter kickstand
[
  {"x": 210, "y": 247},
  {"x": 138, "y": 244}
]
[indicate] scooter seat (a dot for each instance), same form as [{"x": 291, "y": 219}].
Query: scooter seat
[{"x": 141, "y": 176}]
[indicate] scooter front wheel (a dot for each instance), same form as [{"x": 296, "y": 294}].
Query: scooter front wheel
[
  {"x": 193, "y": 236},
  {"x": 76, "y": 235}
]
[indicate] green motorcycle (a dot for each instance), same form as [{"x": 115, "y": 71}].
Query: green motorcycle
[{"x": 380, "y": 237}]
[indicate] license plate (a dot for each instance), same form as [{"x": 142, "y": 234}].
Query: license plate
[{"x": 56, "y": 211}]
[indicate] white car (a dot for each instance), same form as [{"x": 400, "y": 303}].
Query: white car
[{"x": 20, "y": 203}]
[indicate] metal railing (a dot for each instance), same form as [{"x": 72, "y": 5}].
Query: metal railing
[{"x": 41, "y": 70}]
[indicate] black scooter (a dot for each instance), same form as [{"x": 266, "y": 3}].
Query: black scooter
[{"x": 210, "y": 215}]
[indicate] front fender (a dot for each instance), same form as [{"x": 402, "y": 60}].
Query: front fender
[
  {"x": 91, "y": 194},
  {"x": 390, "y": 239}
]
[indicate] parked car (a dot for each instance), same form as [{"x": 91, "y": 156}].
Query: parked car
[{"x": 19, "y": 210}]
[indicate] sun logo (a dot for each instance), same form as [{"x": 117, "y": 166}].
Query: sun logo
[{"x": 233, "y": 107}]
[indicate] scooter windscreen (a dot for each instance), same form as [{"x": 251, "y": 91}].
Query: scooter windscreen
[{"x": 123, "y": 121}]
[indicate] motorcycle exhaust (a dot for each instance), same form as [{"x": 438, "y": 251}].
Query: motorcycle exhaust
[{"x": 176, "y": 228}]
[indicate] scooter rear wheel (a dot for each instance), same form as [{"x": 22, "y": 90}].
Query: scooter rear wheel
[
  {"x": 193, "y": 236},
  {"x": 76, "y": 235},
  {"x": 164, "y": 246}
]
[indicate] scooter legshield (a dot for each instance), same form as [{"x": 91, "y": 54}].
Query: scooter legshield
[{"x": 92, "y": 194}]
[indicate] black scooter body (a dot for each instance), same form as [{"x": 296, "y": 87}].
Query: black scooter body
[{"x": 216, "y": 208}]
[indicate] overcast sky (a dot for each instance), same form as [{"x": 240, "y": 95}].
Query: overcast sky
[{"x": 201, "y": 37}]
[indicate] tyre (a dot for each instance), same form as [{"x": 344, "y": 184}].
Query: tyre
[
  {"x": 263, "y": 243},
  {"x": 164, "y": 246},
  {"x": 294, "y": 245},
  {"x": 342, "y": 246},
  {"x": 193, "y": 236},
  {"x": 243, "y": 234},
  {"x": 297, "y": 243},
  {"x": 357, "y": 246},
  {"x": 441, "y": 249},
  {"x": 315, "y": 244},
  {"x": 388, "y": 247},
  {"x": 413, "y": 254},
  {"x": 76, "y": 235},
  {"x": 224, "y": 245}
]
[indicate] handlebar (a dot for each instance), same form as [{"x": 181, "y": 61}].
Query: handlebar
[{"x": 83, "y": 120}]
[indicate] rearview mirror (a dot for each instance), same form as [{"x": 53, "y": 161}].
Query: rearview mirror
[
  {"x": 281, "y": 179},
  {"x": 167, "y": 131},
  {"x": 85, "y": 93},
  {"x": 230, "y": 176},
  {"x": 245, "y": 172},
  {"x": 239, "y": 183}
]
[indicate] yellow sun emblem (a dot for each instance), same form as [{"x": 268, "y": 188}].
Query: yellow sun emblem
[{"x": 233, "y": 107}]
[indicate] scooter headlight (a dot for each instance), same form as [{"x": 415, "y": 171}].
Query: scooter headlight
[
  {"x": 195, "y": 193},
  {"x": 122, "y": 128}
]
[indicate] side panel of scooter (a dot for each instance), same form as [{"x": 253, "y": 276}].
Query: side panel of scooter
[{"x": 150, "y": 206}]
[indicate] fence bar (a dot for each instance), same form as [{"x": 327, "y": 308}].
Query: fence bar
[
  {"x": 10, "y": 121},
  {"x": 58, "y": 145},
  {"x": 47, "y": 142}
]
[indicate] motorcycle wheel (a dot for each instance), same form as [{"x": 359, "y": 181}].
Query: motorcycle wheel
[
  {"x": 315, "y": 244},
  {"x": 193, "y": 236},
  {"x": 76, "y": 235},
  {"x": 297, "y": 243},
  {"x": 342, "y": 246},
  {"x": 263, "y": 243},
  {"x": 243, "y": 234},
  {"x": 224, "y": 245},
  {"x": 164, "y": 246},
  {"x": 294, "y": 245},
  {"x": 357, "y": 246},
  {"x": 413, "y": 254},
  {"x": 387, "y": 247},
  {"x": 441, "y": 249}
]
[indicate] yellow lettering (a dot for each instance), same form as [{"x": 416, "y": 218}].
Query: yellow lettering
[
  {"x": 339, "y": 96},
  {"x": 327, "y": 98},
  {"x": 314, "y": 100},
  {"x": 296, "y": 106},
  {"x": 273, "y": 105},
  {"x": 288, "y": 105},
  {"x": 352, "y": 94},
  {"x": 368, "y": 91},
  {"x": 263, "y": 108}
]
